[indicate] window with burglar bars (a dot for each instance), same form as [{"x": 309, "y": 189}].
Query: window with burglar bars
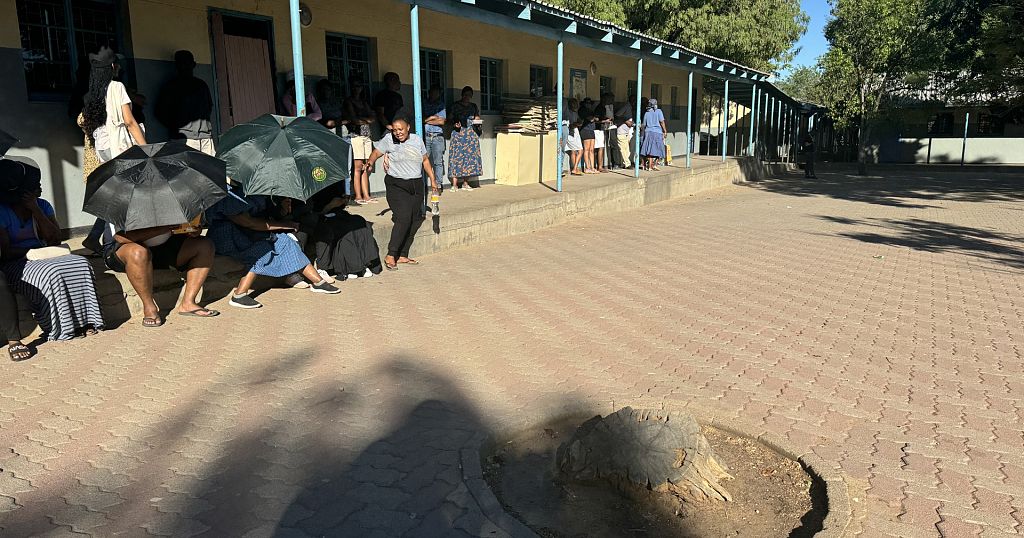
[
  {"x": 348, "y": 58},
  {"x": 607, "y": 85},
  {"x": 631, "y": 92},
  {"x": 656, "y": 93},
  {"x": 490, "y": 85},
  {"x": 57, "y": 37},
  {"x": 433, "y": 70},
  {"x": 540, "y": 81},
  {"x": 674, "y": 103}
]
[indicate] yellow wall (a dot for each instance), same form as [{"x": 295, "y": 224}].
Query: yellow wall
[
  {"x": 9, "y": 33},
  {"x": 160, "y": 28}
]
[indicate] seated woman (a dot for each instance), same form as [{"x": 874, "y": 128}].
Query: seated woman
[
  {"x": 239, "y": 229},
  {"x": 340, "y": 243},
  {"x": 9, "y": 323},
  {"x": 60, "y": 289}
]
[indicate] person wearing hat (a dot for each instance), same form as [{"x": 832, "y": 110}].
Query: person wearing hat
[
  {"x": 288, "y": 100},
  {"x": 185, "y": 106},
  {"x": 107, "y": 120},
  {"x": 59, "y": 286},
  {"x": 653, "y": 146}
]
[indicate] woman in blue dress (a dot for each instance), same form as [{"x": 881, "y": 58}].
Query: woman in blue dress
[
  {"x": 653, "y": 147},
  {"x": 464, "y": 152},
  {"x": 240, "y": 229}
]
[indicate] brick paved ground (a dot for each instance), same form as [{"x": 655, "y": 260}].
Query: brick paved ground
[{"x": 878, "y": 322}]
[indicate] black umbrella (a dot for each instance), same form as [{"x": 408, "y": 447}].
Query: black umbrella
[
  {"x": 6, "y": 142},
  {"x": 155, "y": 185},
  {"x": 284, "y": 156}
]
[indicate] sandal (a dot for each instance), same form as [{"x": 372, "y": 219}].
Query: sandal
[
  {"x": 409, "y": 261},
  {"x": 19, "y": 352},
  {"x": 152, "y": 322},
  {"x": 209, "y": 313}
]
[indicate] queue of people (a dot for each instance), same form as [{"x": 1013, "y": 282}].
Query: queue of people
[
  {"x": 309, "y": 243},
  {"x": 598, "y": 137}
]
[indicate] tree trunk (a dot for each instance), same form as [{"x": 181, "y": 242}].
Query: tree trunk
[{"x": 642, "y": 449}]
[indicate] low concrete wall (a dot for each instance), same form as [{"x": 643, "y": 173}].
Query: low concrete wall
[
  {"x": 473, "y": 227},
  {"x": 458, "y": 229},
  {"x": 948, "y": 150}
]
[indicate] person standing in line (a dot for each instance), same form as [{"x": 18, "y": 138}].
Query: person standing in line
[
  {"x": 185, "y": 106},
  {"x": 611, "y": 134},
  {"x": 330, "y": 107},
  {"x": 653, "y": 147},
  {"x": 108, "y": 121},
  {"x": 573, "y": 143},
  {"x": 588, "y": 128},
  {"x": 464, "y": 159},
  {"x": 624, "y": 134},
  {"x": 433, "y": 130},
  {"x": 808, "y": 150},
  {"x": 291, "y": 107},
  {"x": 600, "y": 140},
  {"x": 357, "y": 112},
  {"x": 388, "y": 101},
  {"x": 407, "y": 160}
]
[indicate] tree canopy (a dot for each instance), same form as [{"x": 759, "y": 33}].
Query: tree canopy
[
  {"x": 756, "y": 33},
  {"x": 803, "y": 84}
]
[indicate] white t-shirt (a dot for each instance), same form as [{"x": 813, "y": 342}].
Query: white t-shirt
[
  {"x": 117, "y": 96},
  {"x": 625, "y": 130}
]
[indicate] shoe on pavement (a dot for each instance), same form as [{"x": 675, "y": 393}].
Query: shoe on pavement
[
  {"x": 244, "y": 301},
  {"x": 323, "y": 274},
  {"x": 467, "y": 187},
  {"x": 324, "y": 287},
  {"x": 295, "y": 280}
]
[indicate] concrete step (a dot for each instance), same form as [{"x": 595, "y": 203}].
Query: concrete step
[{"x": 468, "y": 218}]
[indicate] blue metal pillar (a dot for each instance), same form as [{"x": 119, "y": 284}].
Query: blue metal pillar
[
  {"x": 300, "y": 81},
  {"x": 417, "y": 84},
  {"x": 639, "y": 114},
  {"x": 963, "y": 148},
  {"x": 725, "y": 121},
  {"x": 558, "y": 115},
  {"x": 752, "y": 115},
  {"x": 689, "y": 121}
]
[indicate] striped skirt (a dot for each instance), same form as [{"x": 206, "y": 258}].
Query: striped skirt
[{"x": 62, "y": 292}]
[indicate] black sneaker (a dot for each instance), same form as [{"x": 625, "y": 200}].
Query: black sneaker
[
  {"x": 244, "y": 301},
  {"x": 324, "y": 287}
]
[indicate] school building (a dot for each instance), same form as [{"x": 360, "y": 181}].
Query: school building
[{"x": 502, "y": 48}]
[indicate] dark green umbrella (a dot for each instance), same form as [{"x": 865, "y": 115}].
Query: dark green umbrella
[
  {"x": 284, "y": 156},
  {"x": 155, "y": 185},
  {"x": 6, "y": 142}
]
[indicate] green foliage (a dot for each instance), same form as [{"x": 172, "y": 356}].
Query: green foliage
[
  {"x": 756, "y": 33},
  {"x": 873, "y": 46},
  {"x": 803, "y": 83}
]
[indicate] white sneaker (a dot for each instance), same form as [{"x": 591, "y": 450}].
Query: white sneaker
[
  {"x": 295, "y": 280},
  {"x": 367, "y": 273},
  {"x": 467, "y": 187},
  {"x": 323, "y": 274}
]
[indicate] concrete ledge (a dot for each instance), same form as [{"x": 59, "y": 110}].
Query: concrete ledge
[{"x": 469, "y": 218}]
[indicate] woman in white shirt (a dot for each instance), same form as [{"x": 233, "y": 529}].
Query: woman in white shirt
[{"x": 107, "y": 120}]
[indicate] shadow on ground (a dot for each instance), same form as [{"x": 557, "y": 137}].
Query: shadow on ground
[
  {"x": 907, "y": 187},
  {"x": 931, "y": 236}
]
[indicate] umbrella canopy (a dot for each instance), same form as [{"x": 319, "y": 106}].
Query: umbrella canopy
[
  {"x": 283, "y": 156},
  {"x": 154, "y": 185},
  {"x": 6, "y": 142}
]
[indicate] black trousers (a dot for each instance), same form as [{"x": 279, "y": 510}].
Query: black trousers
[
  {"x": 405, "y": 198},
  {"x": 8, "y": 313},
  {"x": 611, "y": 141}
]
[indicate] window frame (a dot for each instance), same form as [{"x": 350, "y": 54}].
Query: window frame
[
  {"x": 656, "y": 91},
  {"x": 70, "y": 38},
  {"x": 632, "y": 93},
  {"x": 425, "y": 71},
  {"x": 674, "y": 112},
  {"x": 342, "y": 87},
  {"x": 548, "y": 72},
  {"x": 490, "y": 103},
  {"x": 609, "y": 87}
]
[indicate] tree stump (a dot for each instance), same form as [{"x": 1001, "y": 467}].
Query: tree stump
[{"x": 642, "y": 448}]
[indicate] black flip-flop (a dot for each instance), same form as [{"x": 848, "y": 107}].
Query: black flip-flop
[
  {"x": 196, "y": 313},
  {"x": 16, "y": 351}
]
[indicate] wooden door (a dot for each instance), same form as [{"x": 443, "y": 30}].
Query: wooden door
[{"x": 251, "y": 81}]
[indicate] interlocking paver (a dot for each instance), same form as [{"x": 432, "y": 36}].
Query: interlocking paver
[{"x": 875, "y": 322}]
